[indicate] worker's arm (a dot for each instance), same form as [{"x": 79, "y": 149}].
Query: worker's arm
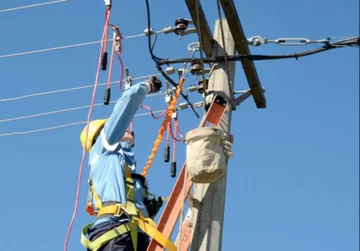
[{"x": 123, "y": 112}]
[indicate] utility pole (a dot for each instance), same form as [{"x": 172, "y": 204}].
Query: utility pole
[{"x": 209, "y": 199}]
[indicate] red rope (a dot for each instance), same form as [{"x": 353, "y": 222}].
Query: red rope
[
  {"x": 152, "y": 114},
  {"x": 122, "y": 72},
  {"x": 168, "y": 133},
  {"x": 116, "y": 29},
  {"x": 111, "y": 64},
  {"x": 87, "y": 134},
  {"x": 174, "y": 142},
  {"x": 176, "y": 129},
  {"x": 106, "y": 30}
]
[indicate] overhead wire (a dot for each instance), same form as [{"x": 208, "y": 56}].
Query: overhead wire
[
  {"x": 157, "y": 59},
  {"x": 65, "y": 125},
  {"x": 349, "y": 42},
  {"x": 62, "y": 110},
  {"x": 201, "y": 44},
  {"x": 32, "y": 6},
  {"x": 71, "y": 89},
  {"x": 180, "y": 107},
  {"x": 70, "y": 46},
  {"x": 70, "y": 109}
]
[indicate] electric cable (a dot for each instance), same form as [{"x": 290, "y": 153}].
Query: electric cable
[
  {"x": 157, "y": 59},
  {"x": 64, "y": 126},
  {"x": 32, "y": 6},
  {"x": 181, "y": 106},
  {"x": 69, "y": 110},
  {"x": 72, "y": 89},
  {"x": 69, "y": 46},
  {"x": 350, "y": 42},
  {"x": 201, "y": 47}
]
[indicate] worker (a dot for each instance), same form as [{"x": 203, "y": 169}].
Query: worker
[{"x": 109, "y": 144}]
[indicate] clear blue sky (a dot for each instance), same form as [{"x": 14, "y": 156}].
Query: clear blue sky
[{"x": 294, "y": 181}]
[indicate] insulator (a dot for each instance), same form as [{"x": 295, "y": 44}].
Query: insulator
[
  {"x": 180, "y": 26},
  {"x": 196, "y": 68}
]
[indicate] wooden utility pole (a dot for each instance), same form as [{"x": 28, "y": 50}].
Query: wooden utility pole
[
  {"x": 208, "y": 210},
  {"x": 208, "y": 202}
]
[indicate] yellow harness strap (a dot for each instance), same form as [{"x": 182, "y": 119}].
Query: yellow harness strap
[
  {"x": 107, "y": 236},
  {"x": 147, "y": 225}
]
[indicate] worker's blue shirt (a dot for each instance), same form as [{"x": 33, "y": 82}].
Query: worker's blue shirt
[{"x": 108, "y": 156}]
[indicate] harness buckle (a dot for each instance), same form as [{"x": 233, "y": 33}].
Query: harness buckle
[{"x": 119, "y": 210}]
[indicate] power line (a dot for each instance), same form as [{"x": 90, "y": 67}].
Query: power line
[
  {"x": 181, "y": 106},
  {"x": 191, "y": 88},
  {"x": 32, "y": 6},
  {"x": 68, "y": 46},
  {"x": 63, "y": 126},
  {"x": 63, "y": 110},
  {"x": 349, "y": 42},
  {"x": 70, "y": 89}
]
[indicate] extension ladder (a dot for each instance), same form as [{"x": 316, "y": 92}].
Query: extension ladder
[{"x": 167, "y": 222}]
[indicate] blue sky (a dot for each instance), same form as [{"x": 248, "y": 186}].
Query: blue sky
[{"x": 293, "y": 183}]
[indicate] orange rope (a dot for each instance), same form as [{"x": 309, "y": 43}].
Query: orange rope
[{"x": 162, "y": 129}]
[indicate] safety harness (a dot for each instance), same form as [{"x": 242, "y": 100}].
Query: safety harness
[{"x": 136, "y": 219}]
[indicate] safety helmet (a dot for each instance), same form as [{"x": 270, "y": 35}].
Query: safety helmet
[{"x": 95, "y": 127}]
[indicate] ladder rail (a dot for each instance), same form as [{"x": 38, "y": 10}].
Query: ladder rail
[{"x": 172, "y": 210}]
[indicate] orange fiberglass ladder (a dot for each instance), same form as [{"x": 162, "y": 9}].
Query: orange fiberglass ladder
[{"x": 175, "y": 202}]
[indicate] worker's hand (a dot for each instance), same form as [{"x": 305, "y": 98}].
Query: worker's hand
[{"x": 155, "y": 84}]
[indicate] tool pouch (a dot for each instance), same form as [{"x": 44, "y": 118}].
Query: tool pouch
[{"x": 206, "y": 154}]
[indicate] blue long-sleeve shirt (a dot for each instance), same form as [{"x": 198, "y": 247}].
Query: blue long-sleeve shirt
[{"x": 108, "y": 156}]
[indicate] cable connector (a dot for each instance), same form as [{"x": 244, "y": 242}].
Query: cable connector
[
  {"x": 117, "y": 36},
  {"x": 170, "y": 70},
  {"x": 147, "y": 33},
  {"x": 168, "y": 29},
  {"x": 174, "y": 115},
  {"x": 108, "y": 3},
  {"x": 257, "y": 41},
  {"x": 168, "y": 97},
  {"x": 183, "y": 106}
]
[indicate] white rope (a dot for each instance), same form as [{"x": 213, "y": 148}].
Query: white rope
[
  {"x": 70, "y": 89},
  {"x": 32, "y": 6},
  {"x": 67, "y": 46},
  {"x": 63, "y": 126}
]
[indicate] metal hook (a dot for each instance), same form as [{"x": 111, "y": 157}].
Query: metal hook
[{"x": 195, "y": 46}]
